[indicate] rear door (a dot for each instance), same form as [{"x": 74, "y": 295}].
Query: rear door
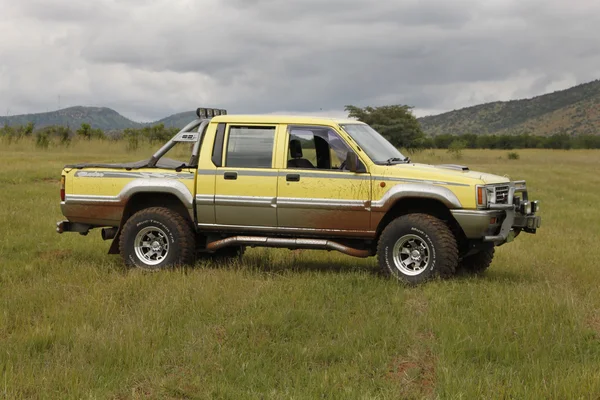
[
  {"x": 316, "y": 193},
  {"x": 246, "y": 184}
]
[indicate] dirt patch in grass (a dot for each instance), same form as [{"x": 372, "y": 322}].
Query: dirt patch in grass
[
  {"x": 54, "y": 254},
  {"x": 47, "y": 180},
  {"x": 220, "y": 334},
  {"x": 415, "y": 372},
  {"x": 594, "y": 323}
]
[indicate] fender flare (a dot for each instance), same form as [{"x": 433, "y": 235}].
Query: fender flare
[
  {"x": 416, "y": 190},
  {"x": 158, "y": 185}
]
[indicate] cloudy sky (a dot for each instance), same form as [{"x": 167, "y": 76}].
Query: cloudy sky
[{"x": 151, "y": 58}]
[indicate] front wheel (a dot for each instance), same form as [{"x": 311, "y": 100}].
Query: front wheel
[
  {"x": 416, "y": 247},
  {"x": 156, "y": 238}
]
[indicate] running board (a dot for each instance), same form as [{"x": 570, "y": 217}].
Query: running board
[{"x": 259, "y": 241}]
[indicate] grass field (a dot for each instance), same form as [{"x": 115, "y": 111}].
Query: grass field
[{"x": 74, "y": 323}]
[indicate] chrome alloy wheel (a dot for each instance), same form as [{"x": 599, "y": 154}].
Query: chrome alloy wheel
[
  {"x": 411, "y": 255},
  {"x": 151, "y": 245}
]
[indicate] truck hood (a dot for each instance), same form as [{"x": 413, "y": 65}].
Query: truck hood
[{"x": 445, "y": 173}]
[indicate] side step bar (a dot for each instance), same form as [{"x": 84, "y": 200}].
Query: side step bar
[{"x": 259, "y": 241}]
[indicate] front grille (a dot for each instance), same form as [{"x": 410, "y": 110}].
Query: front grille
[{"x": 501, "y": 195}]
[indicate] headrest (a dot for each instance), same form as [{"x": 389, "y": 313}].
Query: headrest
[{"x": 295, "y": 148}]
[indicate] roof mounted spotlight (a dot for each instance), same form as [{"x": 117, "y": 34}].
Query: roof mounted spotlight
[{"x": 204, "y": 113}]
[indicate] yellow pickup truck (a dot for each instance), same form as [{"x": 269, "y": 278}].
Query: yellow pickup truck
[{"x": 295, "y": 182}]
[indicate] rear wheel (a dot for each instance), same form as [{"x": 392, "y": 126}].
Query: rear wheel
[
  {"x": 417, "y": 247},
  {"x": 156, "y": 238},
  {"x": 477, "y": 263}
]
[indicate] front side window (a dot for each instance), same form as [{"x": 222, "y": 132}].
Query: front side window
[
  {"x": 316, "y": 148},
  {"x": 250, "y": 147}
]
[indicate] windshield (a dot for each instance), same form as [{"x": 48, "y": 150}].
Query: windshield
[{"x": 376, "y": 146}]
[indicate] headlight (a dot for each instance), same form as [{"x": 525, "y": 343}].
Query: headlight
[
  {"x": 526, "y": 208},
  {"x": 535, "y": 206}
]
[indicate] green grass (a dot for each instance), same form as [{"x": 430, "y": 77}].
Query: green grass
[{"x": 75, "y": 323}]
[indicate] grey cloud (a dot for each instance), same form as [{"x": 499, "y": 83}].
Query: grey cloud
[
  {"x": 70, "y": 11},
  {"x": 150, "y": 59}
]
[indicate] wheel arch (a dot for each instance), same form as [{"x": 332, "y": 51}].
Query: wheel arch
[
  {"x": 423, "y": 205},
  {"x": 142, "y": 200}
]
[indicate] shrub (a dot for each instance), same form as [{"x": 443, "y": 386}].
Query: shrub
[
  {"x": 513, "y": 155},
  {"x": 88, "y": 133},
  {"x": 42, "y": 140},
  {"x": 64, "y": 135},
  {"x": 133, "y": 139},
  {"x": 456, "y": 147}
]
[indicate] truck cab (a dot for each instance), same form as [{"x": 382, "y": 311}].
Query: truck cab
[{"x": 295, "y": 182}]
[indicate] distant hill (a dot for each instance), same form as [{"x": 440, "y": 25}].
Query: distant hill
[
  {"x": 178, "y": 120},
  {"x": 98, "y": 117},
  {"x": 572, "y": 111}
]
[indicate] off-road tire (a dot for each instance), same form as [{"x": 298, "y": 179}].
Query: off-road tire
[
  {"x": 477, "y": 263},
  {"x": 429, "y": 231},
  {"x": 179, "y": 237}
]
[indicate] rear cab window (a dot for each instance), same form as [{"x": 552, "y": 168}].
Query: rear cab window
[{"x": 250, "y": 146}]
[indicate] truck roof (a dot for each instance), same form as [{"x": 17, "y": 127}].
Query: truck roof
[{"x": 282, "y": 119}]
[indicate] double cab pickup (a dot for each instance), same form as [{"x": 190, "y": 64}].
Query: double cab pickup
[{"x": 297, "y": 183}]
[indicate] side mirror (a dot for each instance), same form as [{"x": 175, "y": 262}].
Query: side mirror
[{"x": 352, "y": 161}]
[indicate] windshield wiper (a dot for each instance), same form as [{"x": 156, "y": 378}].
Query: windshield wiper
[{"x": 390, "y": 161}]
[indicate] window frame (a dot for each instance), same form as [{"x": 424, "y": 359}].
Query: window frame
[{"x": 244, "y": 125}]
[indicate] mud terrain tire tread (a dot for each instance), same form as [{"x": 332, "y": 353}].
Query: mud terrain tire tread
[
  {"x": 437, "y": 233},
  {"x": 182, "y": 239},
  {"x": 477, "y": 263}
]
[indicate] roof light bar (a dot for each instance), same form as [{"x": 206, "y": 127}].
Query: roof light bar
[{"x": 204, "y": 113}]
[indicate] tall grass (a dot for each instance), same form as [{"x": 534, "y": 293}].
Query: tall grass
[{"x": 75, "y": 323}]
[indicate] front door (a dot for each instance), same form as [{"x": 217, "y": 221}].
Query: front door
[
  {"x": 246, "y": 185},
  {"x": 316, "y": 193}
]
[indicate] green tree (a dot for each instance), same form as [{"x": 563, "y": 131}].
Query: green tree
[
  {"x": 396, "y": 123},
  {"x": 28, "y": 130},
  {"x": 85, "y": 132},
  {"x": 443, "y": 141}
]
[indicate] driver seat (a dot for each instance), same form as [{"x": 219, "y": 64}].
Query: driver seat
[{"x": 296, "y": 154}]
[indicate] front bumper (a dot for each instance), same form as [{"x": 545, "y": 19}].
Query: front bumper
[{"x": 500, "y": 223}]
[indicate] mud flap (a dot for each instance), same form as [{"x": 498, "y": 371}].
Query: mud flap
[{"x": 114, "y": 246}]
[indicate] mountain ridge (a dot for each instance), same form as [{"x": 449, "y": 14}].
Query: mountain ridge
[
  {"x": 573, "y": 111},
  {"x": 98, "y": 117}
]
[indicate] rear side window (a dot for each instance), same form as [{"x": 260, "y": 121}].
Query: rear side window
[{"x": 250, "y": 147}]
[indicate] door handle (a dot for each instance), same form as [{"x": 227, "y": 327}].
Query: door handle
[
  {"x": 292, "y": 177},
  {"x": 230, "y": 176}
]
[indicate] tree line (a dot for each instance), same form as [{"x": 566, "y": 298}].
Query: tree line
[
  {"x": 395, "y": 122},
  {"x": 62, "y": 135},
  {"x": 399, "y": 125}
]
